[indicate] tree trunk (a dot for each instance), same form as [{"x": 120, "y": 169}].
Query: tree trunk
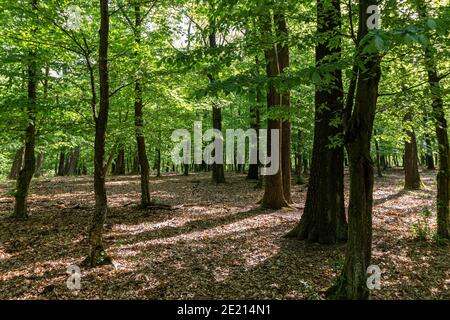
[
  {"x": 410, "y": 159},
  {"x": 441, "y": 127},
  {"x": 377, "y": 151},
  {"x": 429, "y": 154},
  {"x": 158, "y": 162},
  {"x": 273, "y": 189},
  {"x": 29, "y": 165},
  {"x": 352, "y": 283},
  {"x": 323, "y": 218},
  {"x": 17, "y": 164},
  {"x": 218, "y": 174},
  {"x": 139, "y": 120},
  {"x": 253, "y": 169},
  {"x": 298, "y": 159},
  {"x": 119, "y": 168},
  {"x": 97, "y": 255},
  {"x": 62, "y": 161},
  {"x": 39, "y": 164},
  {"x": 281, "y": 31}
]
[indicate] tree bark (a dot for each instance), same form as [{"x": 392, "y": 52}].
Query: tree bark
[
  {"x": 273, "y": 189},
  {"x": 378, "y": 159},
  {"x": 410, "y": 162},
  {"x": 352, "y": 283},
  {"x": 441, "y": 127},
  {"x": 97, "y": 254},
  {"x": 61, "y": 165},
  {"x": 17, "y": 164},
  {"x": 253, "y": 169},
  {"x": 119, "y": 168},
  {"x": 39, "y": 164},
  {"x": 139, "y": 120},
  {"x": 283, "y": 62},
  {"x": 29, "y": 165},
  {"x": 323, "y": 218},
  {"x": 218, "y": 174},
  {"x": 429, "y": 154},
  {"x": 158, "y": 162}
]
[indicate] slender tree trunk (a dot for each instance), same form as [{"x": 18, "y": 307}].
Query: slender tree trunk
[
  {"x": 62, "y": 161},
  {"x": 253, "y": 169},
  {"x": 298, "y": 159},
  {"x": 323, "y": 218},
  {"x": 273, "y": 189},
  {"x": 158, "y": 162},
  {"x": 29, "y": 165},
  {"x": 377, "y": 150},
  {"x": 283, "y": 62},
  {"x": 429, "y": 154},
  {"x": 443, "y": 176},
  {"x": 352, "y": 283},
  {"x": 97, "y": 254},
  {"x": 218, "y": 174},
  {"x": 39, "y": 164},
  {"x": 410, "y": 162},
  {"x": 17, "y": 164},
  {"x": 139, "y": 120},
  {"x": 119, "y": 168}
]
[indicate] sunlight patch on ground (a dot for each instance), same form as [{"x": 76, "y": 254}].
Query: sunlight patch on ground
[{"x": 236, "y": 228}]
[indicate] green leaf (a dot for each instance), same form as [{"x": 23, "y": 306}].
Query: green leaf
[
  {"x": 431, "y": 24},
  {"x": 379, "y": 43}
]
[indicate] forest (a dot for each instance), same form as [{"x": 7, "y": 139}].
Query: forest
[{"x": 224, "y": 149}]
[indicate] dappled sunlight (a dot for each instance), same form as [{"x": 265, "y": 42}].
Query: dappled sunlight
[
  {"x": 205, "y": 247},
  {"x": 236, "y": 229}
]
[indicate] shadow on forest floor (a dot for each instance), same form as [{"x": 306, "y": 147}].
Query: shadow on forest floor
[{"x": 216, "y": 244}]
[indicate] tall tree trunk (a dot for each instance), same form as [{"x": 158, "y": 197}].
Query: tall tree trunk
[
  {"x": 352, "y": 283},
  {"x": 97, "y": 254},
  {"x": 273, "y": 189},
  {"x": 119, "y": 168},
  {"x": 158, "y": 162},
  {"x": 72, "y": 162},
  {"x": 441, "y": 127},
  {"x": 410, "y": 162},
  {"x": 17, "y": 164},
  {"x": 62, "y": 161},
  {"x": 323, "y": 218},
  {"x": 218, "y": 174},
  {"x": 429, "y": 155},
  {"x": 29, "y": 165},
  {"x": 283, "y": 62},
  {"x": 253, "y": 169},
  {"x": 378, "y": 159},
  {"x": 139, "y": 119},
  {"x": 298, "y": 159}
]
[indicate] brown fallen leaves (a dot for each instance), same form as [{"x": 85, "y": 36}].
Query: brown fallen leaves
[{"x": 215, "y": 243}]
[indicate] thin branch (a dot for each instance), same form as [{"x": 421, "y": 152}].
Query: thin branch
[
  {"x": 403, "y": 90},
  {"x": 121, "y": 87}
]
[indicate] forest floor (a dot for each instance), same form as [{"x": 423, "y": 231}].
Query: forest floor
[{"x": 216, "y": 243}]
